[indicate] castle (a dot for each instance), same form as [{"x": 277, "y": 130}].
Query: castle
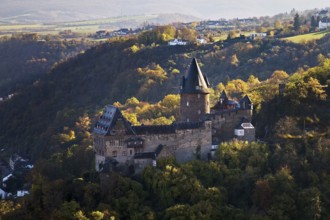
[{"x": 195, "y": 135}]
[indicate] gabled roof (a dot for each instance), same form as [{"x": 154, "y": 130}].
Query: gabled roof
[
  {"x": 195, "y": 82},
  {"x": 246, "y": 103},
  {"x": 223, "y": 95},
  {"x": 108, "y": 120},
  {"x": 246, "y": 99}
]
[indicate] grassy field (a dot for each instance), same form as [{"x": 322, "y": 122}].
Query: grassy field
[
  {"x": 307, "y": 37},
  {"x": 81, "y": 27}
]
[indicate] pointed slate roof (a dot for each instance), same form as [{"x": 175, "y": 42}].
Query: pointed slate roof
[
  {"x": 195, "y": 82},
  {"x": 246, "y": 99},
  {"x": 108, "y": 120},
  {"x": 223, "y": 95},
  {"x": 246, "y": 103}
]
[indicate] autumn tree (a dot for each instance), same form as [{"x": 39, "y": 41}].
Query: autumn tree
[
  {"x": 188, "y": 34},
  {"x": 234, "y": 60}
]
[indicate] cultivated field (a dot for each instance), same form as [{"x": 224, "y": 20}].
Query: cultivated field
[{"x": 307, "y": 37}]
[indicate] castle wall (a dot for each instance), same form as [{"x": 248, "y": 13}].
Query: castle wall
[
  {"x": 193, "y": 107},
  {"x": 182, "y": 145},
  {"x": 249, "y": 135},
  {"x": 225, "y": 123}
]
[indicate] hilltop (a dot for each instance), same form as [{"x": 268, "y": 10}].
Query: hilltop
[
  {"x": 81, "y": 10},
  {"x": 115, "y": 71}
]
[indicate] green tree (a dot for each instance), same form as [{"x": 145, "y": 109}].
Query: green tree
[
  {"x": 296, "y": 22},
  {"x": 309, "y": 201},
  {"x": 314, "y": 23}
]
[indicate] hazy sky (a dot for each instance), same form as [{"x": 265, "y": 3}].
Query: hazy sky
[{"x": 201, "y": 8}]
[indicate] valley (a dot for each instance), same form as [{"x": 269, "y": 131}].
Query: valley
[{"x": 63, "y": 84}]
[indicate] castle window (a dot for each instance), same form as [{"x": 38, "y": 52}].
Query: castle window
[
  {"x": 114, "y": 153},
  {"x": 188, "y": 120},
  {"x": 130, "y": 152},
  {"x": 124, "y": 153},
  {"x": 121, "y": 142},
  {"x": 137, "y": 150},
  {"x": 187, "y": 103},
  {"x": 112, "y": 142},
  {"x": 199, "y": 95},
  {"x": 199, "y": 112}
]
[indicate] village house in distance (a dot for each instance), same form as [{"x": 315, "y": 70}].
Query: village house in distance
[{"x": 117, "y": 142}]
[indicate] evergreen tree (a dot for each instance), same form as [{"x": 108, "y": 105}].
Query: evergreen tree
[
  {"x": 296, "y": 22},
  {"x": 313, "y": 23}
]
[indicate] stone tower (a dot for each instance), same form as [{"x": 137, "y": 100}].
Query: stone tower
[{"x": 194, "y": 95}]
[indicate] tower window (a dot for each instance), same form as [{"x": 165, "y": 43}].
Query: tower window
[
  {"x": 187, "y": 103},
  {"x": 199, "y": 112},
  {"x": 199, "y": 95}
]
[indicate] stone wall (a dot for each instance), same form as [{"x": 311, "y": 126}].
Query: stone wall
[
  {"x": 193, "y": 107},
  {"x": 224, "y": 123},
  {"x": 182, "y": 145}
]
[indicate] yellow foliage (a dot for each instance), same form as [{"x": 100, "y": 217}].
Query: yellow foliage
[
  {"x": 153, "y": 71},
  {"x": 7, "y": 207},
  {"x": 234, "y": 60},
  {"x": 131, "y": 117},
  {"x": 134, "y": 48},
  {"x": 132, "y": 102}
]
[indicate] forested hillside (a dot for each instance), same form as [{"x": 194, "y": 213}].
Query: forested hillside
[
  {"x": 118, "y": 70},
  {"x": 25, "y": 57},
  {"x": 285, "y": 176}
]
